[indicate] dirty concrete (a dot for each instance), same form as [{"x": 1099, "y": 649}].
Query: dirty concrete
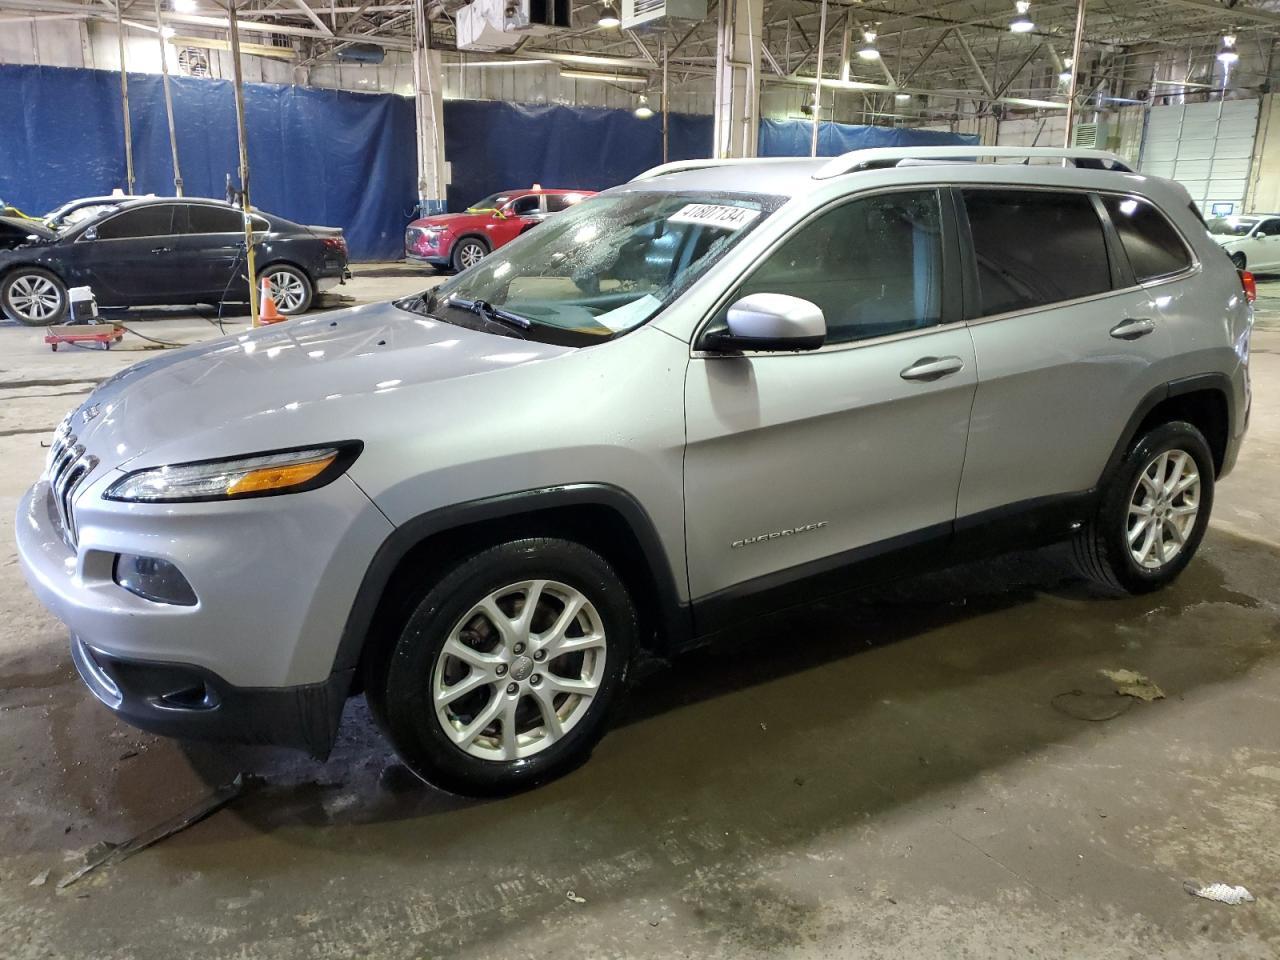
[{"x": 876, "y": 777}]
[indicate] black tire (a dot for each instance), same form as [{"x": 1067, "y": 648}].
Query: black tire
[
  {"x": 1239, "y": 260},
  {"x": 400, "y": 684},
  {"x": 18, "y": 282},
  {"x": 285, "y": 276},
  {"x": 1101, "y": 546},
  {"x": 462, "y": 251}
]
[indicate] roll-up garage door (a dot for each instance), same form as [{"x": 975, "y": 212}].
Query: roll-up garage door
[{"x": 1207, "y": 147}]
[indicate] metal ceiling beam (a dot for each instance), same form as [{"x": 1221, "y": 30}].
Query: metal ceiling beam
[
  {"x": 973, "y": 62},
  {"x": 313, "y": 17}
]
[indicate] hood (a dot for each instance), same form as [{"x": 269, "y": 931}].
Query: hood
[
  {"x": 1222, "y": 239},
  {"x": 28, "y": 227},
  {"x": 316, "y": 379}
]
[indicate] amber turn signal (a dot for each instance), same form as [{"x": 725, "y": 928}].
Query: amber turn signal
[{"x": 278, "y": 478}]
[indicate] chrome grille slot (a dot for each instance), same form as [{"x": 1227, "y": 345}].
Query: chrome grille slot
[{"x": 69, "y": 466}]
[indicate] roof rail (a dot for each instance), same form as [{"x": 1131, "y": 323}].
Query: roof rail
[
  {"x": 676, "y": 166},
  {"x": 856, "y": 160}
]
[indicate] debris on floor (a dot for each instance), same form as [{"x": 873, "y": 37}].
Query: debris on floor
[
  {"x": 107, "y": 854},
  {"x": 1091, "y": 706},
  {"x": 1130, "y": 683},
  {"x": 1219, "y": 892},
  {"x": 574, "y": 897},
  {"x": 40, "y": 879}
]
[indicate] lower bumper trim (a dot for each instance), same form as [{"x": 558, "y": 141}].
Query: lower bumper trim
[{"x": 192, "y": 703}]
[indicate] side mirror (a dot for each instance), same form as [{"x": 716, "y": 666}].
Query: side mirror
[
  {"x": 90, "y": 234},
  {"x": 774, "y": 322}
]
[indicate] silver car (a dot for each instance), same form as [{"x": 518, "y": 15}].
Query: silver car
[{"x": 718, "y": 390}]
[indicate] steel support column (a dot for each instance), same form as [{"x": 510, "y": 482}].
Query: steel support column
[
  {"x": 168, "y": 99},
  {"x": 124, "y": 105},
  {"x": 428, "y": 102},
  {"x": 1077, "y": 52},
  {"x": 737, "y": 106},
  {"x": 238, "y": 76}
]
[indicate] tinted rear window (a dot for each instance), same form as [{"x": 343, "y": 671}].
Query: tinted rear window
[
  {"x": 205, "y": 219},
  {"x": 1035, "y": 247},
  {"x": 1153, "y": 246}
]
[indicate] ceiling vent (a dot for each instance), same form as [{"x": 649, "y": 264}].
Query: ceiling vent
[
  {"x": 639, "y": 13},
  {"x": 495, "y": 25}
]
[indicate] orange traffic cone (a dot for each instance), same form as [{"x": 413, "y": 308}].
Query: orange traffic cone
[{"x": 268, "y": 312}]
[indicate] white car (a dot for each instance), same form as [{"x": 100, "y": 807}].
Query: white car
[{"x": 1252, "y": 242}]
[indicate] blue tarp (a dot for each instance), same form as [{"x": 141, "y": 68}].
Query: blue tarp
[
  {"x": 335, "y": 158},
  {"x": 791, "y": 138},
  {"x": 316, "y": 156}
]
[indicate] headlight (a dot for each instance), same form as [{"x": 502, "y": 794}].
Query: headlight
[{"x": 235, "y": 478}]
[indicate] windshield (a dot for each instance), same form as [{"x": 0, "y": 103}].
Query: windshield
[
  {"x": 1231, "y": 226},
  {"x": 606, "y": 265},
  {"x": 59, "y": 220},
  {"x": 492, "y": 202}
]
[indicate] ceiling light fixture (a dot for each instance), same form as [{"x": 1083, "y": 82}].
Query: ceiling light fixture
[
  {"x": 184, "y": 6},
  {"x": 643, "y": 110},
  {"x": 609, "y": 18},
  {"x": 902, "y": 97},
  {"x": 869, "y": 50},
  {"x": 1227, "y": 54},
  {"x": 166, "y": 32},
  {"x": 600, "y": 75},
  {"x": 1022, "y": 23}
]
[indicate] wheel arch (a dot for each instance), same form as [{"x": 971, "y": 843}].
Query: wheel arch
[
  {"x": 1204, "y": 401},
  {"x": 286, "y": 262},
  {"x": 600, "y": 516},
  {"x": 8, "y": 268}
]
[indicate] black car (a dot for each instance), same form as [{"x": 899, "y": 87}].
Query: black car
[{"x": 163, "y": 251}]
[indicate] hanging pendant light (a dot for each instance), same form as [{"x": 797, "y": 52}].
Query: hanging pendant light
[
  {"x": 609, "y": 18},
  {"x": 643, "y": 110},
  {"x": 868, "y": 50},
  {"x": 1227, "y": 53},
  {"x": 1021, "y": 23},
  {"x": 1065, "y": 76}
]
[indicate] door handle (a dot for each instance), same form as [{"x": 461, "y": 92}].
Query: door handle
[
  {"x": 932, "y": 368},
  {"x": 162, "y": 250},
  {"x": 1133, "y": 329}
]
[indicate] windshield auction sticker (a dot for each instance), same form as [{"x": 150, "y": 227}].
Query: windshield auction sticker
[{"x": 715, "y": 215}]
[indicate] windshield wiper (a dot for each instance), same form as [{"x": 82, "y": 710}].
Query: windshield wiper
[{"x": 487, "y": 311}]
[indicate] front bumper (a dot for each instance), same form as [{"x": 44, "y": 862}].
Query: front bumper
[
  {"x": 255, "y": 659},
  {"x": 190, "y": 703}
]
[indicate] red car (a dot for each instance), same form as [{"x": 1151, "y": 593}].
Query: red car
[{"x": 460, "y": 240}]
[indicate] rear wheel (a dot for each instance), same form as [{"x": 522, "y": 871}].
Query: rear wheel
[
  {"x": 290, "y": 287},
  {"x": 505, "y": 673},
  {"x": 1239, "y": 260},
  {"x": 33, "y": 297},
  {"x": 1153, "y": 512},
  {"x": 467, "y": 252}
]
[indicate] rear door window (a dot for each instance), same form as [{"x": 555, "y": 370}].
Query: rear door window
[
  {"x": 151, "y": 221},
  {"x": 1152, "y": 244},
  {"x": 207, "y": 219},
  {"x": 559, "y": 201},
  {"x": 1035, "y": 247}
]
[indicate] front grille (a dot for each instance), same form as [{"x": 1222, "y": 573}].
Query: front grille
[{"x": 69, "y": 465}]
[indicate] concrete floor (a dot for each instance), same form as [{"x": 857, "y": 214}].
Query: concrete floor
[{"x": 883, "y": 777}]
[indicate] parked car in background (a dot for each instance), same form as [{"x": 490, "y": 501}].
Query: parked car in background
[
  {"x": 461, "y": 240},
  {"x": 86, "y": 208},
  {"x": 1252, "y": 242},
  {"x": 166, "y": 251}
]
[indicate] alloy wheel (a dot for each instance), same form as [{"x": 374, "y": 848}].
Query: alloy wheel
[
  {"x": 288, "y": 289},
  {"x": 1163, "y": 507},
  {"x": 519, "y": 670},
  {"x": 35, "y": 298},
  {"x": 470, "y": 255}
]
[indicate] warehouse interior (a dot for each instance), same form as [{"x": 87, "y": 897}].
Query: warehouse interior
[{"x": 989, "y": 756}]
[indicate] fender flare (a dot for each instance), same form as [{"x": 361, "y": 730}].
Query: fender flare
[{"x": 673, "y": 616}]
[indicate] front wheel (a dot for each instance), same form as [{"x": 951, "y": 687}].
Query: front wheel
[
  {"x": 291, "y": 288},
  {"x": 505, "y": 673},
  {"x": 467, "y": 253},
  {"x": 33, "y": 297},
  {"x": 1153, "y": 511}
]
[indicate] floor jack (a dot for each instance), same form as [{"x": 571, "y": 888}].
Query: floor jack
[{"x": 84, "y": 326}]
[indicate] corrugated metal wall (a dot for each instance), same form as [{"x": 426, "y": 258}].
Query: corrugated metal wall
[{"x": 1207, "y": 147}]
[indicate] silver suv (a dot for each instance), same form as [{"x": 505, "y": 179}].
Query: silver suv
[{"x": 720, "y": 389}]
